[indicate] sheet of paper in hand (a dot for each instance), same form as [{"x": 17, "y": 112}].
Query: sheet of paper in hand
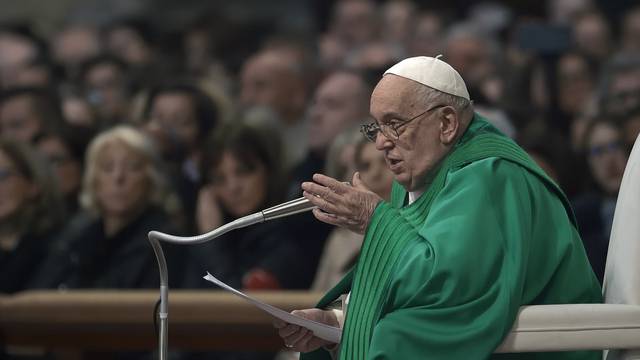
[{"x": 320, "y": 330}]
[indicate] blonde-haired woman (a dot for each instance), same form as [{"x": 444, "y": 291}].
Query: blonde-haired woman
[{"x": 123, "y": 196}]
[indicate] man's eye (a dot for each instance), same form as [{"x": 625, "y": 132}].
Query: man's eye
[{"x": 395, "y": 124}]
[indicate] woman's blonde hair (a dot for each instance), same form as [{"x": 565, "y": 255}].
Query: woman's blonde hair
[{"x": 137, "y": 141}]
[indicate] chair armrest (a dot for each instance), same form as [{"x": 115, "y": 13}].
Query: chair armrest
[{"x": 566, "y": 327}]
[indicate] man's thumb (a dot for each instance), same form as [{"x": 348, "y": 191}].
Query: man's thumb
[{"x": 357, "y": 181}]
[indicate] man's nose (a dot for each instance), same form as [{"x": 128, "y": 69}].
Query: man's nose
[{"x": 382, "y": 141}]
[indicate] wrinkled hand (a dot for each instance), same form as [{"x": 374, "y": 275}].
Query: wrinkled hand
[
  {"x": 301, "y": 339},
  {"x": 342, "y": 205}
]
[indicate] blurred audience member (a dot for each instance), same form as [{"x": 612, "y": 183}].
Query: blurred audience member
[
  {"x": 275, "y": 79},
  {"x": 180, "y": 116},
  {"x": 19, "y": 50},
  {"x": 592, "y": 36},
  {"x": 353, "y": 24},
  {"x": 564, "y": 12},
  {"x": 243, "y": 177},
  {"x": 397, "y": 20},
  {"x": 474, "y": 54},
  {"x": 30, "y": 214},
  {"x": 620, "y": 86},
  {"x": 66, "y": 161},
  {"x": 132, "y": 41},
  {"x": 630, "y": 33},
  {"x": 124, "y": 196},
  {"x": 107, "y": 87},
  {"x": 74, "y": 45},
  {"x": 576, "y": 83},
  {"x": 426, "y": 36},
  {"x": 607, "y": 158},
  {"x": 27, "y": 112}
]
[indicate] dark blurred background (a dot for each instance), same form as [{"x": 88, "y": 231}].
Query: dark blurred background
[{"x": 123, "y": 116}]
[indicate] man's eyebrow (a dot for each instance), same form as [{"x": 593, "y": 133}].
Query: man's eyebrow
[{"x": 388, "y": 115}]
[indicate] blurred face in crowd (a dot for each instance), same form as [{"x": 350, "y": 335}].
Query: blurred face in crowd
[
  {"x": 173, "y": 118},
  {"x": 75, "y": 45},
  {"x": 575, "y": 83},
  {"x": 128, "y": 45},
  {"x": 564, "y": 11},
  {"x": 122, "y": 180},
  {"x": 397, "y": 19},
  {"x": 354, "y": 21},
  {"x": 339, "y": 102},
  {"x": 592, "y": 35},
  {"x": 426, "y": 36},
  {"x": 631, "y": 31},
  {"x": 18, "y": 119},
  {"x": 623, "y": 94},
  {"x": 607, "y": 157},
  {"x": 105, "y": 85},
  {"x": 15, "y": 53},
  {"x": 373, "y": 170},
  {"x": 240, "y": 187},
  {"x": 269, "y": 79},
  {"x": 470, "y": 56},
  {"x": 15, "y": 189},
  {"x": 67, "y": 169},
  {"x": 422, "y": 142}
]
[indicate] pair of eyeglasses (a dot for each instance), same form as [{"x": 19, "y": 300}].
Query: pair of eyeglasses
[
  {"x": 390, "y": 130},
  {"x": 599, "y": 150}
]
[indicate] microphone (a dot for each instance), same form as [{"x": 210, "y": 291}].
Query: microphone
[{"x": 288, "y": 208}]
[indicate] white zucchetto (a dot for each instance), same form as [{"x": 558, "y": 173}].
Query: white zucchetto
[{"x": 433, "y": 73}]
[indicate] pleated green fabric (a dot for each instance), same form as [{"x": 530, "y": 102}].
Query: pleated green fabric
[{"x": 386, "y": 245}]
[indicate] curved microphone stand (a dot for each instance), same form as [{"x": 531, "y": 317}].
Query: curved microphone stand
[{"x": 285, "y": 209}]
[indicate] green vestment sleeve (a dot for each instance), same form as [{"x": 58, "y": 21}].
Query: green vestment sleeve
[{"x": 494, "y": 239}]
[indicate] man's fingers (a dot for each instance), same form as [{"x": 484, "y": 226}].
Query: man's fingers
[
  {"x": 302, "y": 345},
  {"x": 278, "y": 324},
  {"x": 296, "y": 337},
  {"x": 288, "y": 331},
  {"x": 320, "y": 191},
  {"x": 331, "y": 183},
  {"x": 323, "y": 204}
]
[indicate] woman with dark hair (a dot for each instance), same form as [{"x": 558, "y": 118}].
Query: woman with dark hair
[
  {"x": 66, "y": 162},
  {"x": 607, "y": 157},
  {"x": 30, "y": 213},
  {"x": 179, "y": 116},
  {"x": 243, "y": 176}
]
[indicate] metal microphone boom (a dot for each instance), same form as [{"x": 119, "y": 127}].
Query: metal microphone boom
[{"x": 285, "y": 209}]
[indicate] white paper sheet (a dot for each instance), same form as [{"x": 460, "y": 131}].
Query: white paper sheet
[{"x": 320, "y": 330}]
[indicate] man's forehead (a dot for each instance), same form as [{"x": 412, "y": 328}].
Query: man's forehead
[{"x": 394, "y": 93}]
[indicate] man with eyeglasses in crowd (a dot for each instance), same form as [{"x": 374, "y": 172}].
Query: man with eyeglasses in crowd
[{"x": 474, "y": 230}]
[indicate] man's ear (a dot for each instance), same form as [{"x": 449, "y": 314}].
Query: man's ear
[{"x": 449, "y": 125}]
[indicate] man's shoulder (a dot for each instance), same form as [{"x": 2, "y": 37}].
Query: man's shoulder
[{"x": 490, "y": 171}]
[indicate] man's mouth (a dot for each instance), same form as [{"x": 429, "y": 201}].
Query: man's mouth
[{"x": 393, "y": 163}]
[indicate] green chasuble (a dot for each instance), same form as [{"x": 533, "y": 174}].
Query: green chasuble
[{"x": 444, "y": 277}]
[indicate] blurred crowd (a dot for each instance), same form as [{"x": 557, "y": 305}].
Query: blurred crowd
[{"x": 111, "y": 130}]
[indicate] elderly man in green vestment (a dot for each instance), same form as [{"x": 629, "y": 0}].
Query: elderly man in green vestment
[{"x": 474, "y": 230}]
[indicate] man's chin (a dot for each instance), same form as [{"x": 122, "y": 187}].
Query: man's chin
[{"x": 403, "y": 180}]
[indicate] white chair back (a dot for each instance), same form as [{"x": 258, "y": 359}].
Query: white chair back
[{"x": 622, "y": 274}]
